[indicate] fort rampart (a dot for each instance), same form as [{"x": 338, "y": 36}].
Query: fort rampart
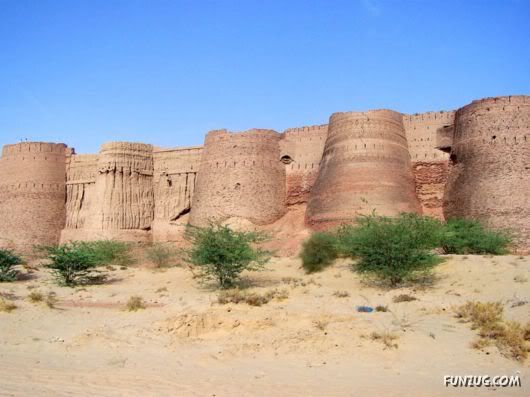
[{"x": 470, "y": 163}]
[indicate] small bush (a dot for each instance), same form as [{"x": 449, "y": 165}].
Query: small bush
[
  {"x": 223, "y": 254},
  {"x": 341, "y": 294},
  {"x": 6, "y": 306},
  {"x": 135, "y": 303},
  {"x": 386, "y": 338},
  {"x": 108, "y": 252},
  {"x": 35, "y": 297},
  {"x": 392, "y": 249},
  {"x": 250, "y": 298},
  {"x": 161, "y": 254},
  {"x": 465, "y": 236},
  {"x": 8, "y": 261},
  {"x": 51, "y": 300},
  {"x": 72, "y": 264},
  {"x": 381, "y": 308},
  {"x": 319, "y": 251},
  {"x": 404, "y": 298}
]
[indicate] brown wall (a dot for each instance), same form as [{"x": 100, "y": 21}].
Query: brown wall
[
  {"x": 240, "y": 176},
  {"x": 175, "y": 172},
  {"x": 366, "y": 166},
  {"x": 490, "y": 159},
  {"x": 430, "y": 165},
  {"x": 32, "y": 194},
  {"x": 301, "y": 151}
]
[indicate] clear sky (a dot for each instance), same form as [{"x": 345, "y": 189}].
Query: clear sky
[{"x": 166, "y": 72}]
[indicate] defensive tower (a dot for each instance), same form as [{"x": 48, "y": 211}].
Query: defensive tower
[
  {"x": 490, "y": 164},
  {"x": 365, "y": 167},
  {"x": 240, "y": 176},
  {"x": 32, "y": 194}
]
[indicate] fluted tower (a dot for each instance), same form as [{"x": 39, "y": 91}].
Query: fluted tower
[
  {"x": 32, "y": 194},
  {"x": 240, "y": 176},
  {"x": 365, "y": 167},
  {"x": 489, "y": 175}
]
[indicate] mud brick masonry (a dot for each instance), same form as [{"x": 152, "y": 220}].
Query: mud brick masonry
[{"x": 473, "y": 162}]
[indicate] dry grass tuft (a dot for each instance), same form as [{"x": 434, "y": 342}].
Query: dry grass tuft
[
  {"x": 386, "y": 338},
  {"x": 51, "y": 300},
  {"x": 404, "y": 298},
  {"x": 135, "y": 303},
  {"x": 341, "y": 294},
  {"x": 381, "y": 308},
  {"x": 250, "y": 298},
  {"x": 321, "y": 324},
  {"x": 35, "y": 297},
  {"x": 7, "y": 306},
  {"x": 510, "y": 337}
]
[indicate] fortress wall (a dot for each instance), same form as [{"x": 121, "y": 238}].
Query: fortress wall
[
  {"x": 301, "y": 151},
  {"x": 240, "y": 176},
  {"x": 175, "y": 172},
  {"x": 430, "y": 165},
  {"x": 490, "y": 160},
  {"x": 32, "y": 194},
  {"x": 365, "y": 166},
  {"x": 80, "y": 180}
]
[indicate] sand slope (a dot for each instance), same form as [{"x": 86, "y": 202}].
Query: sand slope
[{"x": 312, "y": 343}]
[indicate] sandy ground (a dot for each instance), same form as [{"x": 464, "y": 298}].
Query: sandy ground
[{"x": 312, "y": 343}]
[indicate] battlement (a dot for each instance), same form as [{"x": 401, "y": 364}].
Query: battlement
[
  {"x": 437, "y": 117},
  {"x": 306, "y": 130},
  {"x": 27, "y": 149}
]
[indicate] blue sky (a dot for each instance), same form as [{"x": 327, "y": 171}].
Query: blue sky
[{"x": 166, "y": 72}]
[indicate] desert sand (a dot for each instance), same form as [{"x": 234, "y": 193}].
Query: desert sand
[{"x": 311, "y": 343}]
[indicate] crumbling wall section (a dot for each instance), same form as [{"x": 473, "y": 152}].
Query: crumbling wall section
[
  {"x": 240, "y": 176},
  {"x": 429, "y": 163},
  {"x": 80, "y": 181},
  {"x": 490, "y": 161},
  {"x": 301, "y": 151},
  {"x": 175, "y": 173},
  {"x": 32, "y": 194},
  {"x": 365, "y": 166}
]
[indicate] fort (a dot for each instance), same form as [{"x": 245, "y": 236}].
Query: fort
[{"x": 472, "y": 162}]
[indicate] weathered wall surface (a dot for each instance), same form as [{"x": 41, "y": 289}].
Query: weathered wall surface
[
  {"x": 80, "y": 180},
  {"x": 301, "y": 151},
  {"x": 121, "y": 201},
  {"x": 175, "y": 172},
  {"x": 240, "y": 176},
  {"x": 366, "y": 166},
  {"x": 32, "y": 194},
  {"x": 490, "y": 164},
  {"x": 430, "y": 165}
]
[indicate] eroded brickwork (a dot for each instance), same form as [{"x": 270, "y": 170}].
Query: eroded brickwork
[
  {"x": 301, "y": 151},
  {"x": 175, "y": 173}
]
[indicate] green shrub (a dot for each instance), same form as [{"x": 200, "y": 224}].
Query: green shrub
[
  {"x": 108, "y": 252},
  {"x": 319, "y": 251},
  {"x": 465, "y": 236},
  {"x": 8, "y": 261},
  {"x": 392, "y": 249},
  {"x": 161, "y": 254},
  {"x": 72, "y": 264},
  {"x": 223, "y": 254}
]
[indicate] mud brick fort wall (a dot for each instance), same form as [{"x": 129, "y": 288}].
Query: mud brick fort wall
[
  {"x": 473, "y": 162},
  {"x": 365, "y": 166}
]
